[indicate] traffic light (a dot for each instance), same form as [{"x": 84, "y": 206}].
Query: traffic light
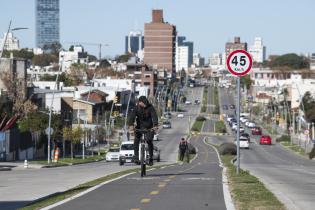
[{"x": 115, "y": 100}]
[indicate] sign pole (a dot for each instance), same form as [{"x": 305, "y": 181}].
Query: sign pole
[
  {"x": 238, "y": 125},
  {"x": 239, "y": 63}
]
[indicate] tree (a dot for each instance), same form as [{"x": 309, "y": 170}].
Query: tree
[
  {"x": 53, "y": 48},
  {"x": 246, "y": 81},
  {"x": 71, "y": 48},
  {"x": 68, "y": 136},
  {"x": 309, "y": 106},
  {"x": 23, "y": 53},
  {"x": 48, "y": 77},
  {"x": 44, "y": 60},
  {"x": 290, "y": 61},
  {"x": 77, "y": 134},
  {"x": 123, "y": 58},
  {"x": 77, "y": 73}
]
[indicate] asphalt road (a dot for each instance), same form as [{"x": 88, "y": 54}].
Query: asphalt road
[
  {"x": 197, "y": 185},
  {"x": 289, "y": 176},
  {"x": 20, "y": 187}
]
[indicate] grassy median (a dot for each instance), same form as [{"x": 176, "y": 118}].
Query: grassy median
[{"x": 247, "y": 191}]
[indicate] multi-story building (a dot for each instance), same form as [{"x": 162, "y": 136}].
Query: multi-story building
[
  {"x": 198, "y": 60},
  {"x": 215, "y": 59},
  {"x": 134, "y": 42},
  {"x": 236, "y": 45},
  {"x": 312, "y": 61},
  {"x": 77, "y": 55},
  {"x": 258, "y": 51},
  {"x": 160, "y": 43},
  {"x": 12, "y": 43},
  {"x": 13, "y": 76},
  {"x": 182, "y": 58},
  {"x": 47, "y": 22},
  {"x": 181, "y": 42}
]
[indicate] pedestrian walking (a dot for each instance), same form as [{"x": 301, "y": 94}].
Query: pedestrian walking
[{"x": 183, "y": 149}]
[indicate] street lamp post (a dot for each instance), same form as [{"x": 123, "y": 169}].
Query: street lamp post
[{"x": 6, "y": 36}]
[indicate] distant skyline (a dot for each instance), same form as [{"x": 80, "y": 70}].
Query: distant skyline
[{"x": 285, "y": 25}]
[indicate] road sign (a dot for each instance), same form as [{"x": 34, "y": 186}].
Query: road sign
[
  {"x": 306, "y": 132},
  {"x": 47, "y": 131},
  {"x": 239, "y": 62}
]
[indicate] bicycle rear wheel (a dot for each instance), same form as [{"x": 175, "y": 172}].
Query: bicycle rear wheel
[{"x": 142, "y": 160}]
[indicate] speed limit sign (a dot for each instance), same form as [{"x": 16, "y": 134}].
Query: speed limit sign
[{"x": 239, "y": 62}]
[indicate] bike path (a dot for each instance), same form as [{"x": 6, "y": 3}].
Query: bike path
[{"x": 195, "y": 185}]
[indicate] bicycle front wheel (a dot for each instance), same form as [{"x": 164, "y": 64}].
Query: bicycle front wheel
[{"x": 142, "y": 160}]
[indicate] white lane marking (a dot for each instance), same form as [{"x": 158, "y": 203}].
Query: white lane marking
[
  {"x": 84, "y": 192},
  {"x": 199, "y": 178},
  {"x": 143, "y": 178},
  {"x": 226, "y": 192}
]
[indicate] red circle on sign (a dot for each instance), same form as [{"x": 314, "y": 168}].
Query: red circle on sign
[{"x": 249, "y": 66}]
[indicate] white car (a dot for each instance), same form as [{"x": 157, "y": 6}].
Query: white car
[
  {"x": 251, "y": 125},
  {"x": 187, "y": 102},
  {"x": 243, "y": 142},
  {"x": 112, "y": 154},
  {"x": 180, "y": 115},
  {"x": 126, "y": 152},
  {"x": 156, "y": 137}
]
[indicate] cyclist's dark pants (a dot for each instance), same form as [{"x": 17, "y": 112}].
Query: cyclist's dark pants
[
  {"x": 182, "y": 154},
  {"x": 149, "y": 137}
]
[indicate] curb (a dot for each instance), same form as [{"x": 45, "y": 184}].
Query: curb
[{"x": 71, "y": 164}]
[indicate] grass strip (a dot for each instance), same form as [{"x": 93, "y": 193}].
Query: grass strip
[
  {"x": 49, "y": 200},
  {"x": 69, "y": 161},
  {"x": 247, "y": 191},
  {"x": 205, "y": 99},
  {"x": 294, "y": 147},
  {"x": 197, "y": 126}
]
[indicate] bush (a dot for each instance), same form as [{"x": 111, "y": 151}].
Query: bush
[
  {"x": 203, "y": 109},
  {"x": 191, "y": 149},
  {"x": 312, "y": 153},
  {"x": 216, "y": 110},
  {"x": 227, "y": 149},
  {"x": 283, "y": 138},
  {"x": 200, "y": 118}
]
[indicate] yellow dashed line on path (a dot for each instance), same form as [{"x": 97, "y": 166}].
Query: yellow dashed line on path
[
  {"x": 134, "y": 209},
  {"x": 154, "y": 192},
  {"x": 167, "y": 180},
  {"x": 162, "y": 184},
  {"x": 145, "y": 200},
  {"x": 171, "y": 177}
]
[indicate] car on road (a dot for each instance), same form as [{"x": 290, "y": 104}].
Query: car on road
[
  {"x": 112, "y": 154},
  {"x": 167, "y": 124},
  {"x": 246, "y": 135},
  {"x": 232, "y": 106},
  {"x": 187, "y": 102},
  {"x": 197, "y": 102},
  {"x": 251, "y": 125},
  {"x": 180, "y": 115},
  {"x": 256, "y": 131},
  {"x": 243, "y": 142},
  {"x": 156, "y": 137},
  {"x": 225, "y": 107},
  {"x": 167, "y": 115},
  {"x": 126, "y": 152},
  {"x": 156, "y": 154},
  {"x": 264, "y": 139}
]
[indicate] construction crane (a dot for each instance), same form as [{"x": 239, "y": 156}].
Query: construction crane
[{"x": 93, "y": 44}]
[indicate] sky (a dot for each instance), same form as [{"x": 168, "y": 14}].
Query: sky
[{"x": 286, "y": 26}]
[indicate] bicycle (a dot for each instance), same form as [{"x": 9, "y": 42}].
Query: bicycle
[{"x": 143, "y": 149}]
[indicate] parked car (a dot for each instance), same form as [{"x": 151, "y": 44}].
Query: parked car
[
  {"x": 256, "y": 131},
  {"x": 232, "y": 106},
  {"x": 187, "y": 102},
  {"x": 112, "y": 154},
  {"x": 180, "y": 115},
  {"x": 167, "y": 124},
  {"x": 167, "y": 115},
  {"x": 243, "y": 142},
  {"x": 265, "y": 140},
  {"x": 197, "y": 102},
  {"x": 126, "y": 152}
]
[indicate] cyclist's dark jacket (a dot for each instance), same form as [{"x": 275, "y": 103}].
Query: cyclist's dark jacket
[{"x": 145, "y": 117}]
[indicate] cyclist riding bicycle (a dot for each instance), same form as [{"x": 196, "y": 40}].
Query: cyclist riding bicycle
[{"x": 145, "y": 117}]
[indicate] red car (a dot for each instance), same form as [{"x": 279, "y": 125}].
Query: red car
[
  {"x": 256, "y": 131},
  {"x": 265, "y": 140}
]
